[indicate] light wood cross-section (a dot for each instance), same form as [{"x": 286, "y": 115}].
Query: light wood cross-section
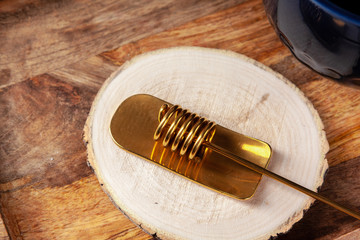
[{"x": 237, "y": 93}]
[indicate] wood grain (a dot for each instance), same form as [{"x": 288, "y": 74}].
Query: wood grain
[
  {"x": 228, "y": 89},
  {"x": 42, "y": 118},
  {"x": 70, "y": 31},
  {"x": 44, "y": 166},
  {"x": 323, "y": 222},
  {"x": 242, "y": 28},
  {"x": 78, "y": 211},
  {"x": 3, "y": 232},
  {"x": 351, "y": 235}
]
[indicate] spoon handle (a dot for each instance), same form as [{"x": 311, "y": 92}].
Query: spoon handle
[{"x": 281, "y": 179}]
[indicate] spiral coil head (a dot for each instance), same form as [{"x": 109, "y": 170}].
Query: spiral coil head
[{"x": 186, "y": 129}]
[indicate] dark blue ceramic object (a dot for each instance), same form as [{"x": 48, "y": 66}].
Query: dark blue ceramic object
[{"x": 322, "y": 34}]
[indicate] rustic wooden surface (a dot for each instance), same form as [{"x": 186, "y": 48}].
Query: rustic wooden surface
[
  {"x": 39, "y": 35},
  {"x": 48, "y": 82},
  {"x": 3, "y": 232}
]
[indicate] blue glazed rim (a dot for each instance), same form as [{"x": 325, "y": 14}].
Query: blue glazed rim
[{"x": 338, "y": 12}]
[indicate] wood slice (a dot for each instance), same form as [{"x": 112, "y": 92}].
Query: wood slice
[{"x": 235, "y": 92}]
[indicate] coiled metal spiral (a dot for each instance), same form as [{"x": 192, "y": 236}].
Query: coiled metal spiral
[{"x": 187, "y": 130}]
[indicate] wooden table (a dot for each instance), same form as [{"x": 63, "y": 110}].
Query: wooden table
[{"x": 54, "y": 56}]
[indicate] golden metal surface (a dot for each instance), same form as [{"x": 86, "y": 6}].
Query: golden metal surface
[
  {"x": 137, "y": 120},
  {"x": 205, "y": 153}
]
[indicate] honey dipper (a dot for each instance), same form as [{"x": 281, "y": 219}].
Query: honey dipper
[{"x": 197, "y": 149}]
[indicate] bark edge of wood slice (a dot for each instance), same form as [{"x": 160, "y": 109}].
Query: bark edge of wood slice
[{"x": 236, "y": 92}]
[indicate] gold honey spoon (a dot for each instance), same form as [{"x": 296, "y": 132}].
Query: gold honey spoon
[{"x": 197, "y": 149}]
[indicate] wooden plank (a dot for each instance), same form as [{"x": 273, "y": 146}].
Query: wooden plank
[
  {"x": 89, "y": 73},
  {"x": 69, "y": 31},
  {"x": 3, "y": 233},
  {"x": 46, "y": 188},
  {"x": 224, "y": 29},
  {"x": 354, "y": 235},
  {"x": 77, "y": 211}
]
